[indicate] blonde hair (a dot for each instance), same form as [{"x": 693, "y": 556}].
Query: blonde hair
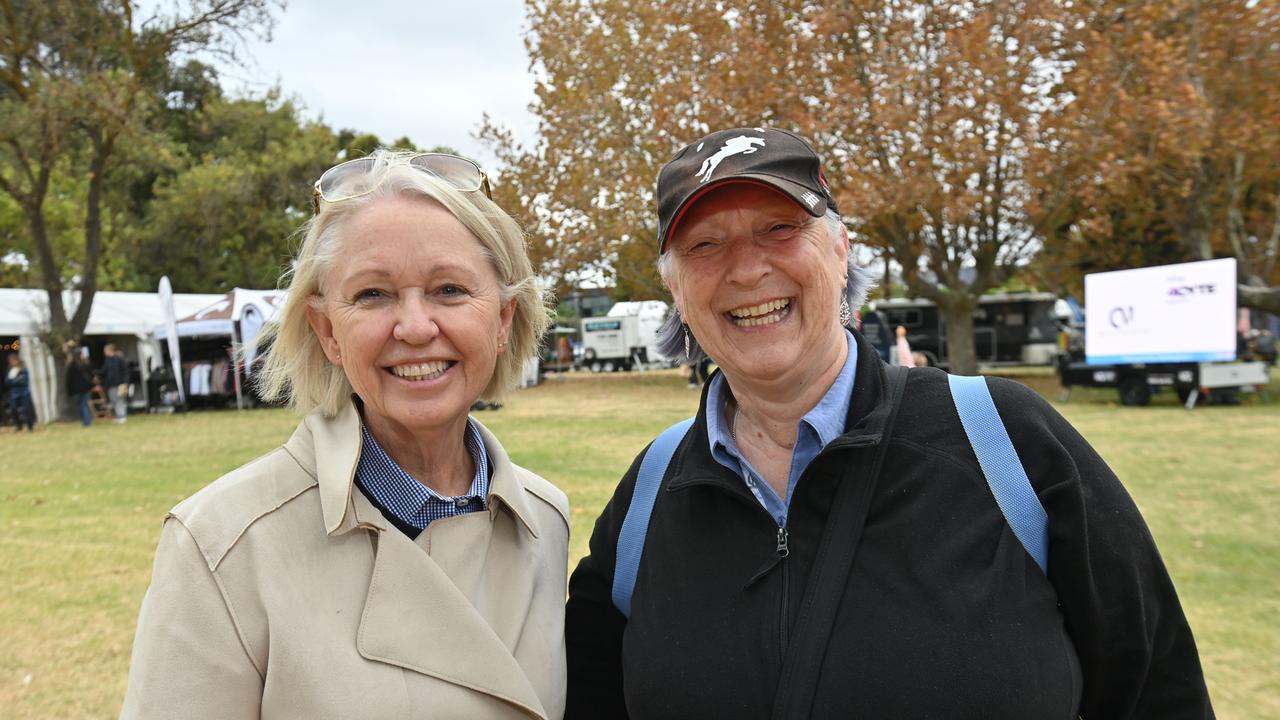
[{"x": 296, "y": 370}]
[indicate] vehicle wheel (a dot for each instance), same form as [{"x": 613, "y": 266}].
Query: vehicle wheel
[
  {"x": 595, "y": 366},
  {"x": 609, "y": 366},
  {"x": 1224, "y": 396},
  {"x": 1135, "y": 391},
  {"x": 589, "y": 355}
]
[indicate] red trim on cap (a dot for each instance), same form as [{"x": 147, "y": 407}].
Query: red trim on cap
[{"x": 666, "y": 240}]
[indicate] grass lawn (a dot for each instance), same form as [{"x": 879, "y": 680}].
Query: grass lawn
[{"x": 81, "y": 511}]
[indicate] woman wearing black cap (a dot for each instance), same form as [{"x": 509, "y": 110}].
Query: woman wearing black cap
[{"x": 825, "y": 539}]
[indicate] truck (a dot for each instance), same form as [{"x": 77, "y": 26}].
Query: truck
[
  {"x": 1008, "y": 328},
  {"x": 625, "y": 339},
  {"x": 1168, "y": 327}
]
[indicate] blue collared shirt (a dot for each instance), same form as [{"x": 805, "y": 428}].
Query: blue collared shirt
[
  {"x": 819, "y": 426},
  {"x": 411, "y": 502}
]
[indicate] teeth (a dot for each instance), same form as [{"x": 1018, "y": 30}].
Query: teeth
[
  {"x": 762, "y": 314},
  {"x": 420, "y": 371},
  {"x": 758, "y": 310}
]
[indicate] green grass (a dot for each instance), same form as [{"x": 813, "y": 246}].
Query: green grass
[{"x": 81, "y": 510}]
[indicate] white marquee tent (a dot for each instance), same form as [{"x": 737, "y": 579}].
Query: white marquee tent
[{"x": 127, "y": 319}]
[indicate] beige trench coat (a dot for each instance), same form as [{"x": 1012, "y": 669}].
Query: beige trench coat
[{"x": 279, "y": 592}]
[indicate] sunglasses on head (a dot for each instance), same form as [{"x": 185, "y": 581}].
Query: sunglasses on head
[{"x": 334, "y": 185}]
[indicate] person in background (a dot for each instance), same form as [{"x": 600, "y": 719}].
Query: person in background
[
  {"x": 78, "y": 381},
  {"x": 389, "y": 560},
  {"x": 905, "y": 358},
  {"x": 876, "y": 331},
  {"x": 794, "y": 471},
  {"x": 699, "y": 371},
  {"x": 22, "y": 410},
  {"x": 115, "y": 376}
]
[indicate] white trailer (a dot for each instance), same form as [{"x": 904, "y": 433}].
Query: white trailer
[
  {"x": 608, "y": 343},
  {"x": 1170, "y": 326},
  {"x": 624, "y": 339}
]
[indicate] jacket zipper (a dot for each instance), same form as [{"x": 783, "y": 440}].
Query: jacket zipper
[{"x": 783, "y": 551}]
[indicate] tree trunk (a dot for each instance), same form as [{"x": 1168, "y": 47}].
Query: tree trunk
[
  {"x": 92, "y": 232},
  {"x": 958, "y": 318},
  {"x": 63, "y": 409},
  {"x": 59, "y": 329}
]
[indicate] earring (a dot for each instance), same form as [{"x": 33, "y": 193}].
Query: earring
[
  {"x": 687, "y": 354},
  {"x": 846, "y": 314}
]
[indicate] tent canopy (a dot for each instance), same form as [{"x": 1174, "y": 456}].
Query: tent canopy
[
  {"x": 25, "y": 312},
  {"x": 220, "y": 316}
]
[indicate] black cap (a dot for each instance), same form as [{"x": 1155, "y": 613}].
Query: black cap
[{"x": 776, "y": 158}]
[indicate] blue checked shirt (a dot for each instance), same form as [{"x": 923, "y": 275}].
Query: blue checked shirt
[
  {"x": 819, "y": 426},
  {"x": 395, "y": 491}
]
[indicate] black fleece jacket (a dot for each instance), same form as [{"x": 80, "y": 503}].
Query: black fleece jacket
[{"x": 944, "y": 614}]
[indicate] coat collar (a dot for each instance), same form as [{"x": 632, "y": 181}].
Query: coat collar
[
  {"x": 504, "y": 486},
  {"x": 329, "y": 448}
]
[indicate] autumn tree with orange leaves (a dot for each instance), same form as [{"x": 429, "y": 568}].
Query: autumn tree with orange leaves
[
  {"x": 952, "y": 139},
  {"x": 620, "y": 86},
  {"x": 1184, "y": 98},
  {"x": 961, "y": 138}
]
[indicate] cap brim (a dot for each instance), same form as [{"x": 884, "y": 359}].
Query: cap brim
[{"x": 792, "y": 191}]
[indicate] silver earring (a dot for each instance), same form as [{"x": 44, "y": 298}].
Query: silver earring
[
  {"x": 846, "y": 314},
  {"x": 687, "y": 354}
]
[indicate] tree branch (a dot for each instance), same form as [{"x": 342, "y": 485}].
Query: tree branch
[{"x": 1259, "y": 298}]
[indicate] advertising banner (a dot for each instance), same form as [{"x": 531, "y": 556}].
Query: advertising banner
[{"x": 1169, "y": 313}]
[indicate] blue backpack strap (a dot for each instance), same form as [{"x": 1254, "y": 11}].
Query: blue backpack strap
[
  {"x": 999, "y": 460},
  {"x": 631, "y": 539}
]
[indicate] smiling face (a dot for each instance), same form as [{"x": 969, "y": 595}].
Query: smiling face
[
  {"x": 758, "y": 281},
  {"x": 412, "y": 312}
]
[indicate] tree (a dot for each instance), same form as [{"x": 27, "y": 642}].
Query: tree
[
  {"x": 76, "y": 81},
  {"x": 952, "y": 140},
  {"x": 943, "y": 124},
  {"x": 1111, "y": 232},
  {"x": 620, "y": 87},
  {"x": 226, "y": 219},
  {"x": 1186, "y": 109}
]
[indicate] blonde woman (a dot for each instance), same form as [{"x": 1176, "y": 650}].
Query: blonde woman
[{"x": 388, "y": 560}]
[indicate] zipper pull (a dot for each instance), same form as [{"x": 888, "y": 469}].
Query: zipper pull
[{"x": 783, "y": 550}]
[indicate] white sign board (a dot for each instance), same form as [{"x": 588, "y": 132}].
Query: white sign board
[{"x": 1169, "y": 313}]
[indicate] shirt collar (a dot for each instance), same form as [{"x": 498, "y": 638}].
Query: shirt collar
[
  {"x": 827, "y": 418},
  {"x": 402, "y": 494},
  {"x": 328, "y": 449}
]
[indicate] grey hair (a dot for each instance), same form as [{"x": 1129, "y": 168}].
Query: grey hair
[
  {"x": 296, "y": 370},
  {"x": 671, "y": 336}
]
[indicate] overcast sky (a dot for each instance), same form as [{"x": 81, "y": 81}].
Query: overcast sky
[{"x": 427, "y": 69}]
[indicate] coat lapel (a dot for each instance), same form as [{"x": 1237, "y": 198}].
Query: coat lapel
[{"x": 415, "y": 617}]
